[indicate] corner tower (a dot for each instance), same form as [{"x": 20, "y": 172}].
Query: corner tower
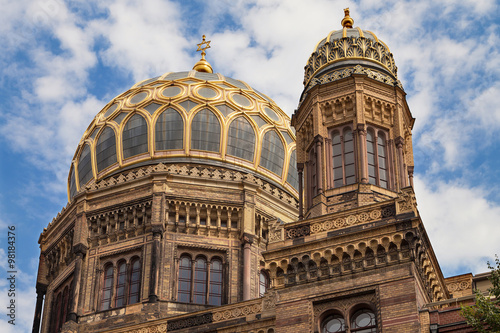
[{"x": 353, "y": 124}]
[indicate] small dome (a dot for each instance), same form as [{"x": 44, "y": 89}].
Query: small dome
[
  {"x": 188, "y": 117},
  {"x": 347, "y": 51}
]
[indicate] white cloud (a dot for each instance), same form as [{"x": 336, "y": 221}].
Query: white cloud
[{"x": 461, "y": 222}]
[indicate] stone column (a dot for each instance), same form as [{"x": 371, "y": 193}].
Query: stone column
[
  {"x": 319, "y": 164},
  {"x": 362, "y": 153},
  {"x": 41, "y": 289},
  {"x": 155, "y": 264},
  {"x": 300, "y": 170},
  {"x": 401, "y": 163},
  {"x": 80, "y": 250},
  {"x": 410, "y": 175},
  {"x": 247, "y": 266}
]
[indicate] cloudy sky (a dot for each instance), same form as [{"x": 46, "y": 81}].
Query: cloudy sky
[{"x": 61, "y": 62}]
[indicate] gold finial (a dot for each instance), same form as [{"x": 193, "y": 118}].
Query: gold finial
[
  {"x": 202, "y": 65},
  {"x": 347, "y": 21}
]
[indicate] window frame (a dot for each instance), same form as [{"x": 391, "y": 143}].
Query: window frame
[
  {"x": 115, "y": 264},
  {"x": 341, "y": 131},
  {"x": 208, "y": 283},
  {"x": 377, "y": 133}
]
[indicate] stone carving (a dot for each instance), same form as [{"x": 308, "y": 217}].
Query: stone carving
[
  {"x": 299, "y": 231},
  {"x": 188, "y": 322},
  {"x": 199, "y": 172},
  {"x": 269, "y": 300},
  {"x": 241, "y": 311},
  {"x": 340, "y": 222},
  {"x": 457, "y": 286}
]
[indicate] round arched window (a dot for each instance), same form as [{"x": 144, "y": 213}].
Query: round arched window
[
  {"x": 364, "y": 321},
  {"x": 333, "y": 323}
]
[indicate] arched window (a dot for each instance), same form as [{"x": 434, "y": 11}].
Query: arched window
[
  {"x": 205, "y": 131},
  {"x": 134, "y": 281},
  {"x": 84, "y": 166},
  {"x": 241, "y": 139},
  {"x": 333, "y": 323},
  {"x": 263, "y": 283},
  {"x": 200, "y": 281},
  {"x": 377, "y": 158},
  {"x": 107, "y": 287},
  {"x": 169, "y": 130},
  {"x": 106, "y": 149},
  {"x": 344, "y": 170},
  {"x": 135, "y": 136},
  {"x": 364, "y": 321},
  {"x": 273, "y": 153},
  {"x": 184, "y": 286},
  {"x": 293, "y": 176},
  {"x": 72, "y": 183},
  {"x": 215, "y": 292},
  {"x": 120, "y": 297}
]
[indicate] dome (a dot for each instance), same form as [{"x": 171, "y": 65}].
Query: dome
[
  {"x": 347, "y": 51},
  {"x": 188, "y": 117}
]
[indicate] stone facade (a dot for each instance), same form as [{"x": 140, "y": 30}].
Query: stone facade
[{"x": 188, "y": 246}]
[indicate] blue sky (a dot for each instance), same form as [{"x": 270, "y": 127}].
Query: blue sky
[{"x": 61, "y": 62}]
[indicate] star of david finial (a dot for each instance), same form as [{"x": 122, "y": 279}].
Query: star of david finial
[{"x": 203, "y": 46}]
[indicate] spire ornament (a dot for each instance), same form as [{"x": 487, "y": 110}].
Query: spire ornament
[
  {"x": 202, "y": 65},
  {"x": 347, "y": 21}
]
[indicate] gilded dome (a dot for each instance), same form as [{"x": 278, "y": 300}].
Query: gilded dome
[
  {"x": 188, "y": 117},
  {"x": 347, "y": 51}
]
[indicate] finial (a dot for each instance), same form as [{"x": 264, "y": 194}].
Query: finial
[
  {"x": 202, "y": 65},
  {"x": 347, "y": 21}
]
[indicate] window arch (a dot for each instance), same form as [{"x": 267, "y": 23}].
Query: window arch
[
  {"x": 205, "y": 131},
  {"x": 184, "y": 284},
  {"x": 106, "y": 149},
  {"x": 344, "y": 169},
  {"x": 333, "y": 323},
  {"x": 107, "y": 287},
  {"x": 364, "y": 321},
  {"x": 241, "y": 139},
  {"x": 273, "y": 153},
  {"x": 263, "y": 283},
  {"x": 215, "y": 292},
  {"x": 135, "y": 136},
  {"x": 169, "y": 130}
]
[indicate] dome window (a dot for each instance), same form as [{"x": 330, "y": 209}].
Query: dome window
[
  {"x": 208, "y": 93},
  {"x": 106, "y": 149},
  {"x": 171, "y": 91},
  {"x": 241, "y": 139},
  {"x": 293, "y": 176},
  {"x": 111, "y": 109},
  {"x": 72, "y": 183},
  {"x": 272, "y": 114},
  {"x": 138, "y": 98},
  {"x": 85, "y": 166},
  {"x": 205, "y": 131},
  {"x": 241, "y": 100},
  {"x": 169, "y": 130},
  {"x": 135, "y": 136},
  {"x": 273, "y": 153}
]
